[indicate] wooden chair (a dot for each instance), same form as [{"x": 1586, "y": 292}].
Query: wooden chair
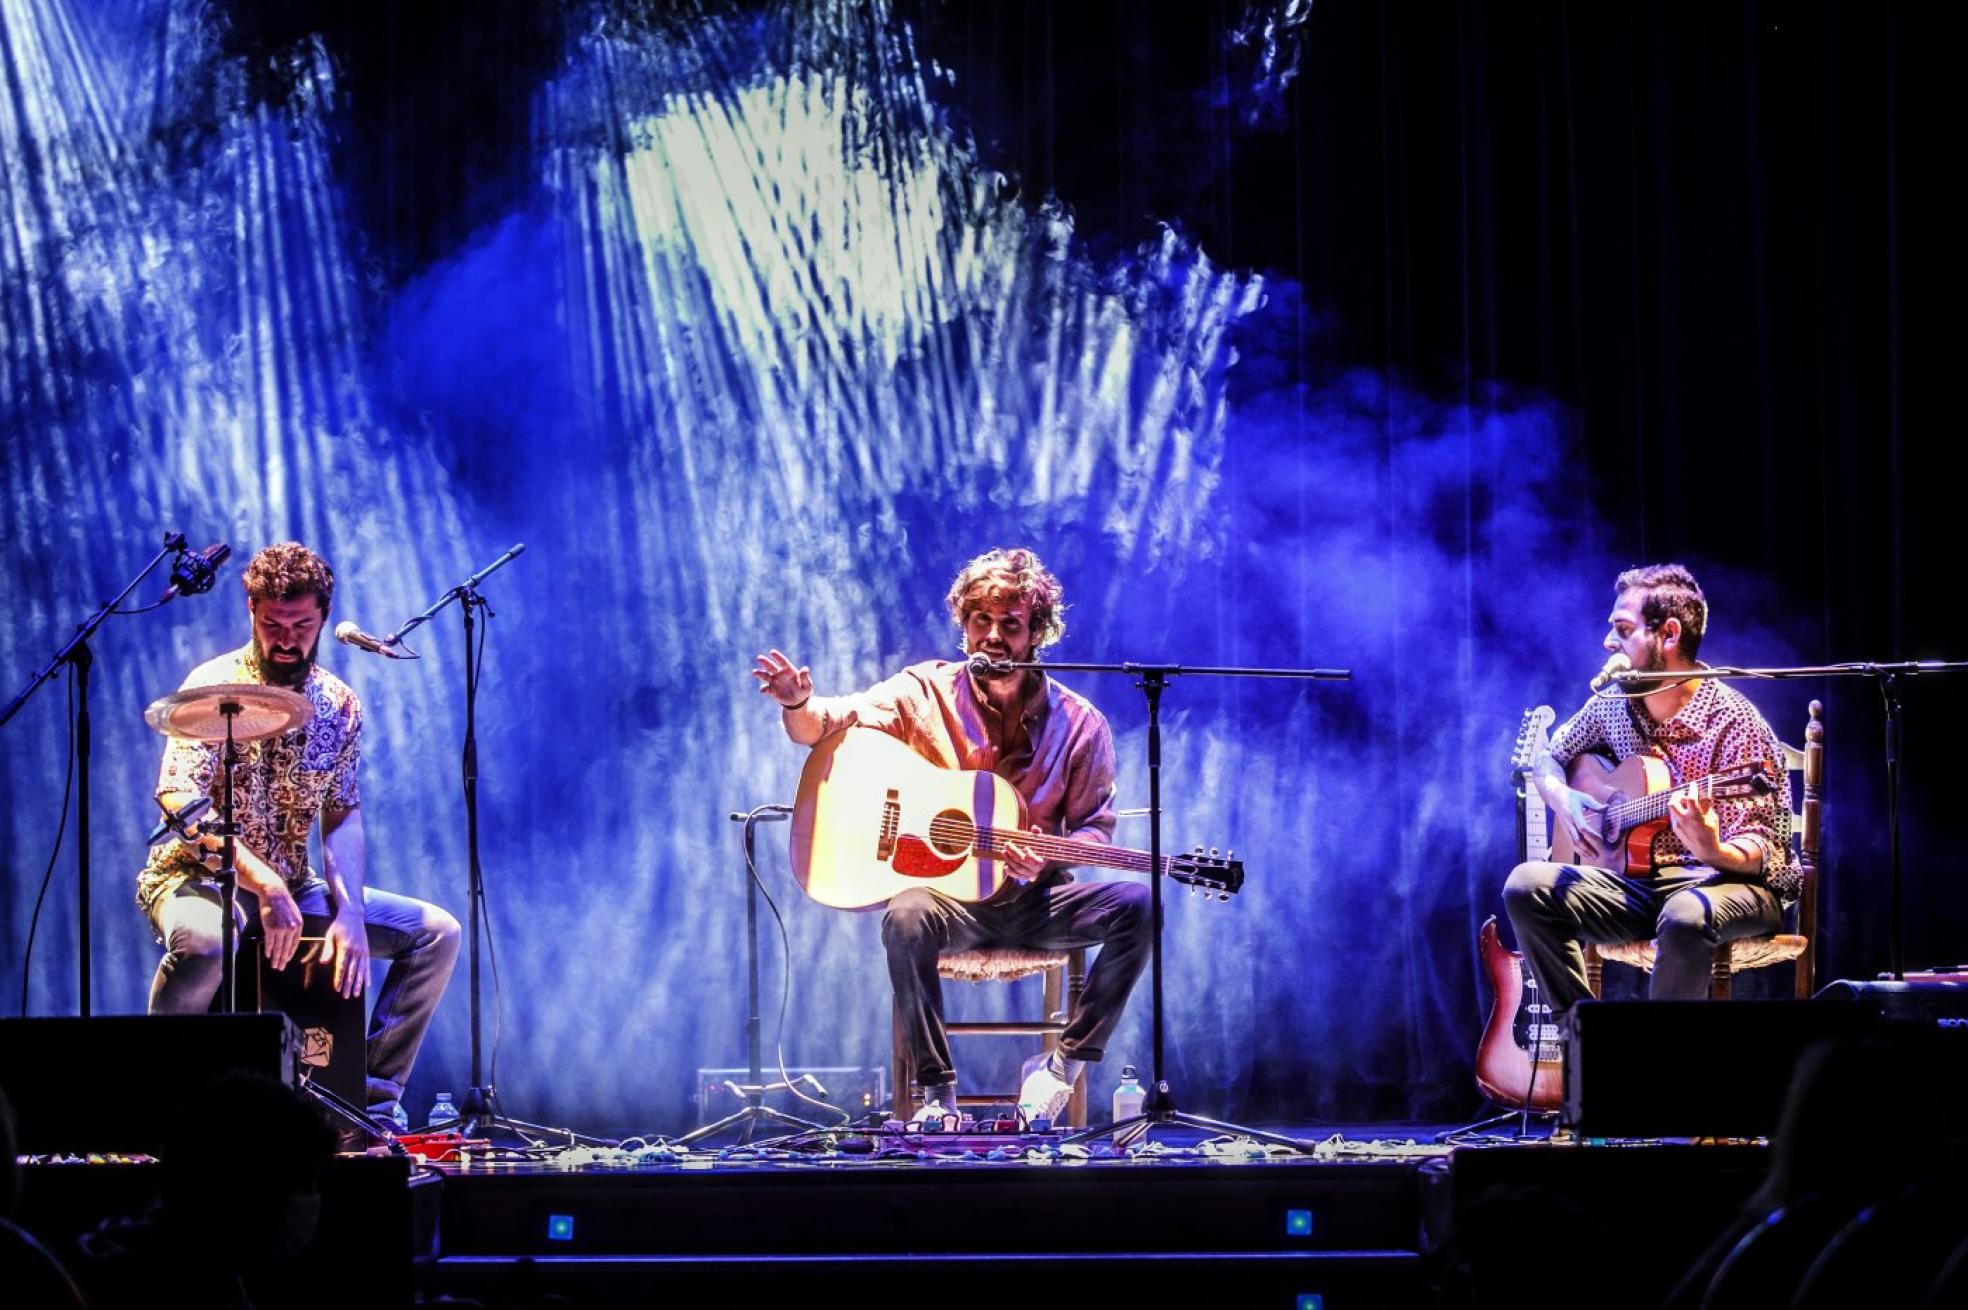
[
  {"x": 1743, "y": 954},
  {"x": 1065, "y": 979}
]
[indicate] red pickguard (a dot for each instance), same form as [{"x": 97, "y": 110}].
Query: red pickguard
[{"x": 916, "y": 858}]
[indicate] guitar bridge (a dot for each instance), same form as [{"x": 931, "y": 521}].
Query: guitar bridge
[{"x": 891, "y": 823}]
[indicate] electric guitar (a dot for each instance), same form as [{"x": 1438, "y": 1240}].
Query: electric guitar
[
  {"x": 873, "y": 818},
  {"x": 1517, "y": 1057}
]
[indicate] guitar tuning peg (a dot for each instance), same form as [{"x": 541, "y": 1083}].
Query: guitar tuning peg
[
  {"x": 1212, "y": 852},
  {"x": 1223, "y": 896},
  {"x": 1229, "y": 855}
]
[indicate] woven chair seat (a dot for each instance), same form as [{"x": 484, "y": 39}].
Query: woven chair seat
[
  {"x": 1002, "y": 964},
  {"x": 1744, "y": 953}
]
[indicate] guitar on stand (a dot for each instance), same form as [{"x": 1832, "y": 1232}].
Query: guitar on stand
[{"x": 1517, "y": 1058}]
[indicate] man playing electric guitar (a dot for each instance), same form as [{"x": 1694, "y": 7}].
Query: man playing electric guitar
[
  {"x": 1056, "y": 751},
  {"x": 1718, "y": 869}
]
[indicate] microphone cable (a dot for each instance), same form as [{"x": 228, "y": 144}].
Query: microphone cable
[{"x": 61, "y": 830}]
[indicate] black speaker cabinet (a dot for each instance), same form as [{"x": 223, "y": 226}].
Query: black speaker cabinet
[
  {"x": 1691, "y": 1068},
  {"x": 1930, "y": 1001},
  {"x": 111, "y": 1084}
]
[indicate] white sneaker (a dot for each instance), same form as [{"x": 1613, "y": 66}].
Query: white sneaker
[
  {"x": 1043, "y": 1094},
  {"x": 933, "y": 1109}
]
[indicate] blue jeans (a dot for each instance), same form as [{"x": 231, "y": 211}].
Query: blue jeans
[
  {"x": 419, "y": 940},
  {"x": 922, "y": 924}
]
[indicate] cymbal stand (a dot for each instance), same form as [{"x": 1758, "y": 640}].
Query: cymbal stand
[{"x": 228, "y": 871}]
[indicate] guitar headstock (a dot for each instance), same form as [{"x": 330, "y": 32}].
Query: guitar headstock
[
  {"x": 1530, "y": 735},
  {"x": 1221, "y": 875},
  {"x": 1754, "y": 778}
]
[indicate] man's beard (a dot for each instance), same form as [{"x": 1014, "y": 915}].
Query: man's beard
[
  {"x": 1651, "y": 661},
  {"x": 283, "y": 674}
]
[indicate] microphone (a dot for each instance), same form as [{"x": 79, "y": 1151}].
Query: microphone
[
  {"x": 349, "y": 635},
  {"x": 177, "y": 821},
  {"x": 982, "y": 665},
  {"x": 763, "y": 814},
  {"x": 196, "y": 571},
  {"x": 1615, "y": 665}
]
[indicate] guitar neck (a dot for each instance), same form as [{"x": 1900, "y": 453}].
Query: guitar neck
[
  {"x": 1648, "y": 808},
  {"x": 1067, "y": 850}
]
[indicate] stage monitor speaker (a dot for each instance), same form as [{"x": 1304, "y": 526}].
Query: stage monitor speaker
[
  {"x": 1931, "y": 1001},
  {"x": 111, "y": 1085},
  {"x": 1691, "y": 1068}
]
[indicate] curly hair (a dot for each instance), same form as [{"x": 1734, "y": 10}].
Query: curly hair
[
  {"x": 1669, "y": 591},
  {"x": 289, "y": 570},
  {"x": 1007, "y": 577}
]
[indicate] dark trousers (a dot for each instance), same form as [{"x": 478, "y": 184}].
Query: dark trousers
[
  {"x": 922, "y": 924},
  {"x": 1687, "y": 913}
]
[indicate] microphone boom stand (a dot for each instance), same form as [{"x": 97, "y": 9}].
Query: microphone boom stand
[
  {"x": 1888, "y": 677},
  {"x": 1158, "y": 1110},
  {"x": 76, "y": 654},
  {"x": 480, "y": 1105}
]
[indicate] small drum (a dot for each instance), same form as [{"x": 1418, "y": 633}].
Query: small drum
[{"x": 333, "y": 1046}]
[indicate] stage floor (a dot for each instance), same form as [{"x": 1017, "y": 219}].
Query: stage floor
[{"x": 1367, "y": 1217}]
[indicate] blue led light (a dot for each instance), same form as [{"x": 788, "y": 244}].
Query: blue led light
[
  {"x": 560, "y": 1228},
  {"x": 1311, "y": 1301},
  {"x": 1298, "y": 1223}
]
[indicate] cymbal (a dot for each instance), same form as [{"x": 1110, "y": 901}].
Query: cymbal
[{"x": 193, "y": 714}]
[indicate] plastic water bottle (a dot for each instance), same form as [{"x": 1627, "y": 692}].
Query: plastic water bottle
[
  {"x": 1129, "y": 1096},
  {"x": 401, "y": 1118},
  {"x": 444, "y": 1115}
]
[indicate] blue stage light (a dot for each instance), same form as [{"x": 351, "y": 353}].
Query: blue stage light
[
  {"x": 1298, "y": 1223},
  {"x": 560, "y": 1228}
]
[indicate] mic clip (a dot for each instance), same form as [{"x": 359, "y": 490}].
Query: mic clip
[{"x": 178, "y": 822}]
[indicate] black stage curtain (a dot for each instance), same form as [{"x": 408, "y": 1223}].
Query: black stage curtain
[{"x": 1722, "y": 234}]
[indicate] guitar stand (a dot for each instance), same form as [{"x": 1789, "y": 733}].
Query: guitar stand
[
  {"x": 754, "y": 1111},
  {"x": 1523, "y": 1114}
]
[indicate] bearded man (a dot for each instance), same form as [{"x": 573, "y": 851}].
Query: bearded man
[
  {"x": 1055, "y": 748},
  {"x": 280, "y": 784},
  {"x": 1721, "y": 869}
]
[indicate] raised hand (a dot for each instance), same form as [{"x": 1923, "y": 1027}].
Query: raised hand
[{"x": 778, "y": 679}]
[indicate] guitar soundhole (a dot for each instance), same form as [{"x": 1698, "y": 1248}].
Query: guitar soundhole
[{"x": 952, "y": 833}]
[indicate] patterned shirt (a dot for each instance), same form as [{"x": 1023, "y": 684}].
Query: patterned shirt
[
  {"x": 1059, "y": 755},
  {"x": 279, "y": 784},
  {"x": 1716, "y": 729}
]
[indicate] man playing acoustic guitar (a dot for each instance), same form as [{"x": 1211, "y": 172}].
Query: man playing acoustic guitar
[
  {"x": 1056, "y": 751},
  {"x": 1720, "y": 866}
]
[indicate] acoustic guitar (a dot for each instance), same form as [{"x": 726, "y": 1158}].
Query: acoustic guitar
[
  {"x": 1635, "y": 794},
  {"x": 873, "y": 818}
]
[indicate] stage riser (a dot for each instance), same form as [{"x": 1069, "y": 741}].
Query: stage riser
[
  {"x": 1351, "y": 1281},
  {"x": 942, "y": 1208}
]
